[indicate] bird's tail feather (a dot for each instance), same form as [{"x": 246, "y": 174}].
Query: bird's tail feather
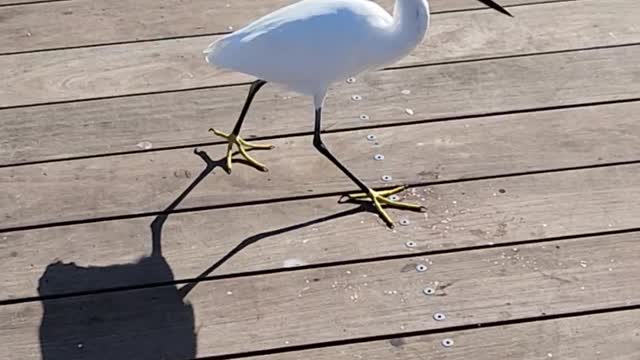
[{"x": 213, "y": 52}]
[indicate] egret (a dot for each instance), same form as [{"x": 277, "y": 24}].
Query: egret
[{"x": 309, "y": 45}]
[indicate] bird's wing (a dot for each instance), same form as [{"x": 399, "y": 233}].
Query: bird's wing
[{"x": 298, "y": 40}]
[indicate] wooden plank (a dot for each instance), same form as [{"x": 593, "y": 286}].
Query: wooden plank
[
  {"x": 469, "y": 148},
  {"x": 178, "y": 64},
  {"x": 318, "y": 305},
  {"x": 109, "y": 21},
  {"x": 603, "y": 336},
  {"x": 288, "y": 234},
  {"x": 178, "y": 119}
]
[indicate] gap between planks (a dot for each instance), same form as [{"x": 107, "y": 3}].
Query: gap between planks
[
  {"x": 172, "y": 210},
  {"x": 610, "y": 335},
  {"x": 7, "y": 3},
  {"x": 338, "y": 130}
]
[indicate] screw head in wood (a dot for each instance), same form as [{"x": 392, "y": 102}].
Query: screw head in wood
[
  {"x": 356, "y": 97},
  {"x": 394, "y": 198},
  {"x": 364, "y": 117},
  {"x": 404, "y": 222},
  {"x": 439, "y": 316},
  {"x": 371, "y": 137},
  {"x": 428, "y": 291},
  {"x": 351, "y": 80},
  {"x": 378, "y": 157},
  {"x": 421, "y": 267},
  {"x": 447, "y": 342},
  {"x": 410, "y": 244}
]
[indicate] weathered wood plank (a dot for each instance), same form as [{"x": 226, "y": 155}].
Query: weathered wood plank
[
  {"x": 604, "y": 336},
  {"x": 318, "y": 305},
  {"x": 321, "y": 231},
  {"x": 80, "y": 23},
  {"x": 179, "y": 64},
  {"x": 418, "y": 153},
  {"x": 175, "y": 119}
]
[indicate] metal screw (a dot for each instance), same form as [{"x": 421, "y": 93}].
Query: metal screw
[
  {"x": 421, "y": 267},
  {"x": 394, "y": 197},
  {"x": 386, "y": 178},
  {"x": 371, "y": 137},
  {"x": 447, "y": 342},
  {"x": 410, "y": 244},
  {"x": 439, "y": 316},
  {"x": 364, "y": 116},
  {"x": 428, "y": 291},
  {"x": 356, "y": 97},
  {"x": 351, "y": 80},
  {"x": 404, "y": 222},
  {"x": 378, "y": 157}
]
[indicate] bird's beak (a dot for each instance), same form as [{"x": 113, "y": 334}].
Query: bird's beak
[{"x": 495, "y": 6}]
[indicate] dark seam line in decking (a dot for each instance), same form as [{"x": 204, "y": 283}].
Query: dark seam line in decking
[
  {"x": 532, "y": 3},
  {"x": 317, "y": 266},
  {"x": 335, "y": 131},
  {"x": 44, "y": 2},
  {"x": 114, "y": 43},
  {"x": 475, "y": 116},
  {"x": 513, "y": 56},
  {"x": 466, "y": 327},
  {"x": 124, "y": 96},
  {"x": 246, "y": 83},
  {"x": 309, "y": 197},
  {"x": 221, "y": 33}
]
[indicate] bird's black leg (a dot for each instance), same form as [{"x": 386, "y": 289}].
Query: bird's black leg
[
  {"x": 377, "y": 197},
  {"x": 235, "y": 139},
  {"x": 318, "y": 144},
  {"x": 253, "y": 90}
]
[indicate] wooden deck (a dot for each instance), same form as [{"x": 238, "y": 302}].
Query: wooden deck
[{"x": 122, "y": 238}]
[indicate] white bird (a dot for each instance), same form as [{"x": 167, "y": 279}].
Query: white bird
[{"x": 311, "y": 44}]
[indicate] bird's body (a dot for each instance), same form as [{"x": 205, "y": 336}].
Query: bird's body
[{"x": 310, "y": 44}]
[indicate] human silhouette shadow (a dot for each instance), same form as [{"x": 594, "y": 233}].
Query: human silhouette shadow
[{"x": 150, "y": 323}]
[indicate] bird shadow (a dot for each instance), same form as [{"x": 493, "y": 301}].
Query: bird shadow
[
  {"x": 153, "y": 323},
  {"x": 261, "y": 236}
]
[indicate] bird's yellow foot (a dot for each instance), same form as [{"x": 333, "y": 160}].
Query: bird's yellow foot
[
  {"x": 243, "y": 147},
  {"x": 379, "y": 198}
]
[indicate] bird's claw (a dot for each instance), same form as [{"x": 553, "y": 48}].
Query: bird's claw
[
  {"x": 379, "y": 199},
  {"x": 243, "y": 148}
]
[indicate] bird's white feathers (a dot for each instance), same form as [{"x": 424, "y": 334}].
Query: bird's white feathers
[{"x": 310, "y": 44}]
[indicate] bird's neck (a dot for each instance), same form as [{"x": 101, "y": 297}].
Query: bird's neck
[{"x": 411, "y": 20}]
